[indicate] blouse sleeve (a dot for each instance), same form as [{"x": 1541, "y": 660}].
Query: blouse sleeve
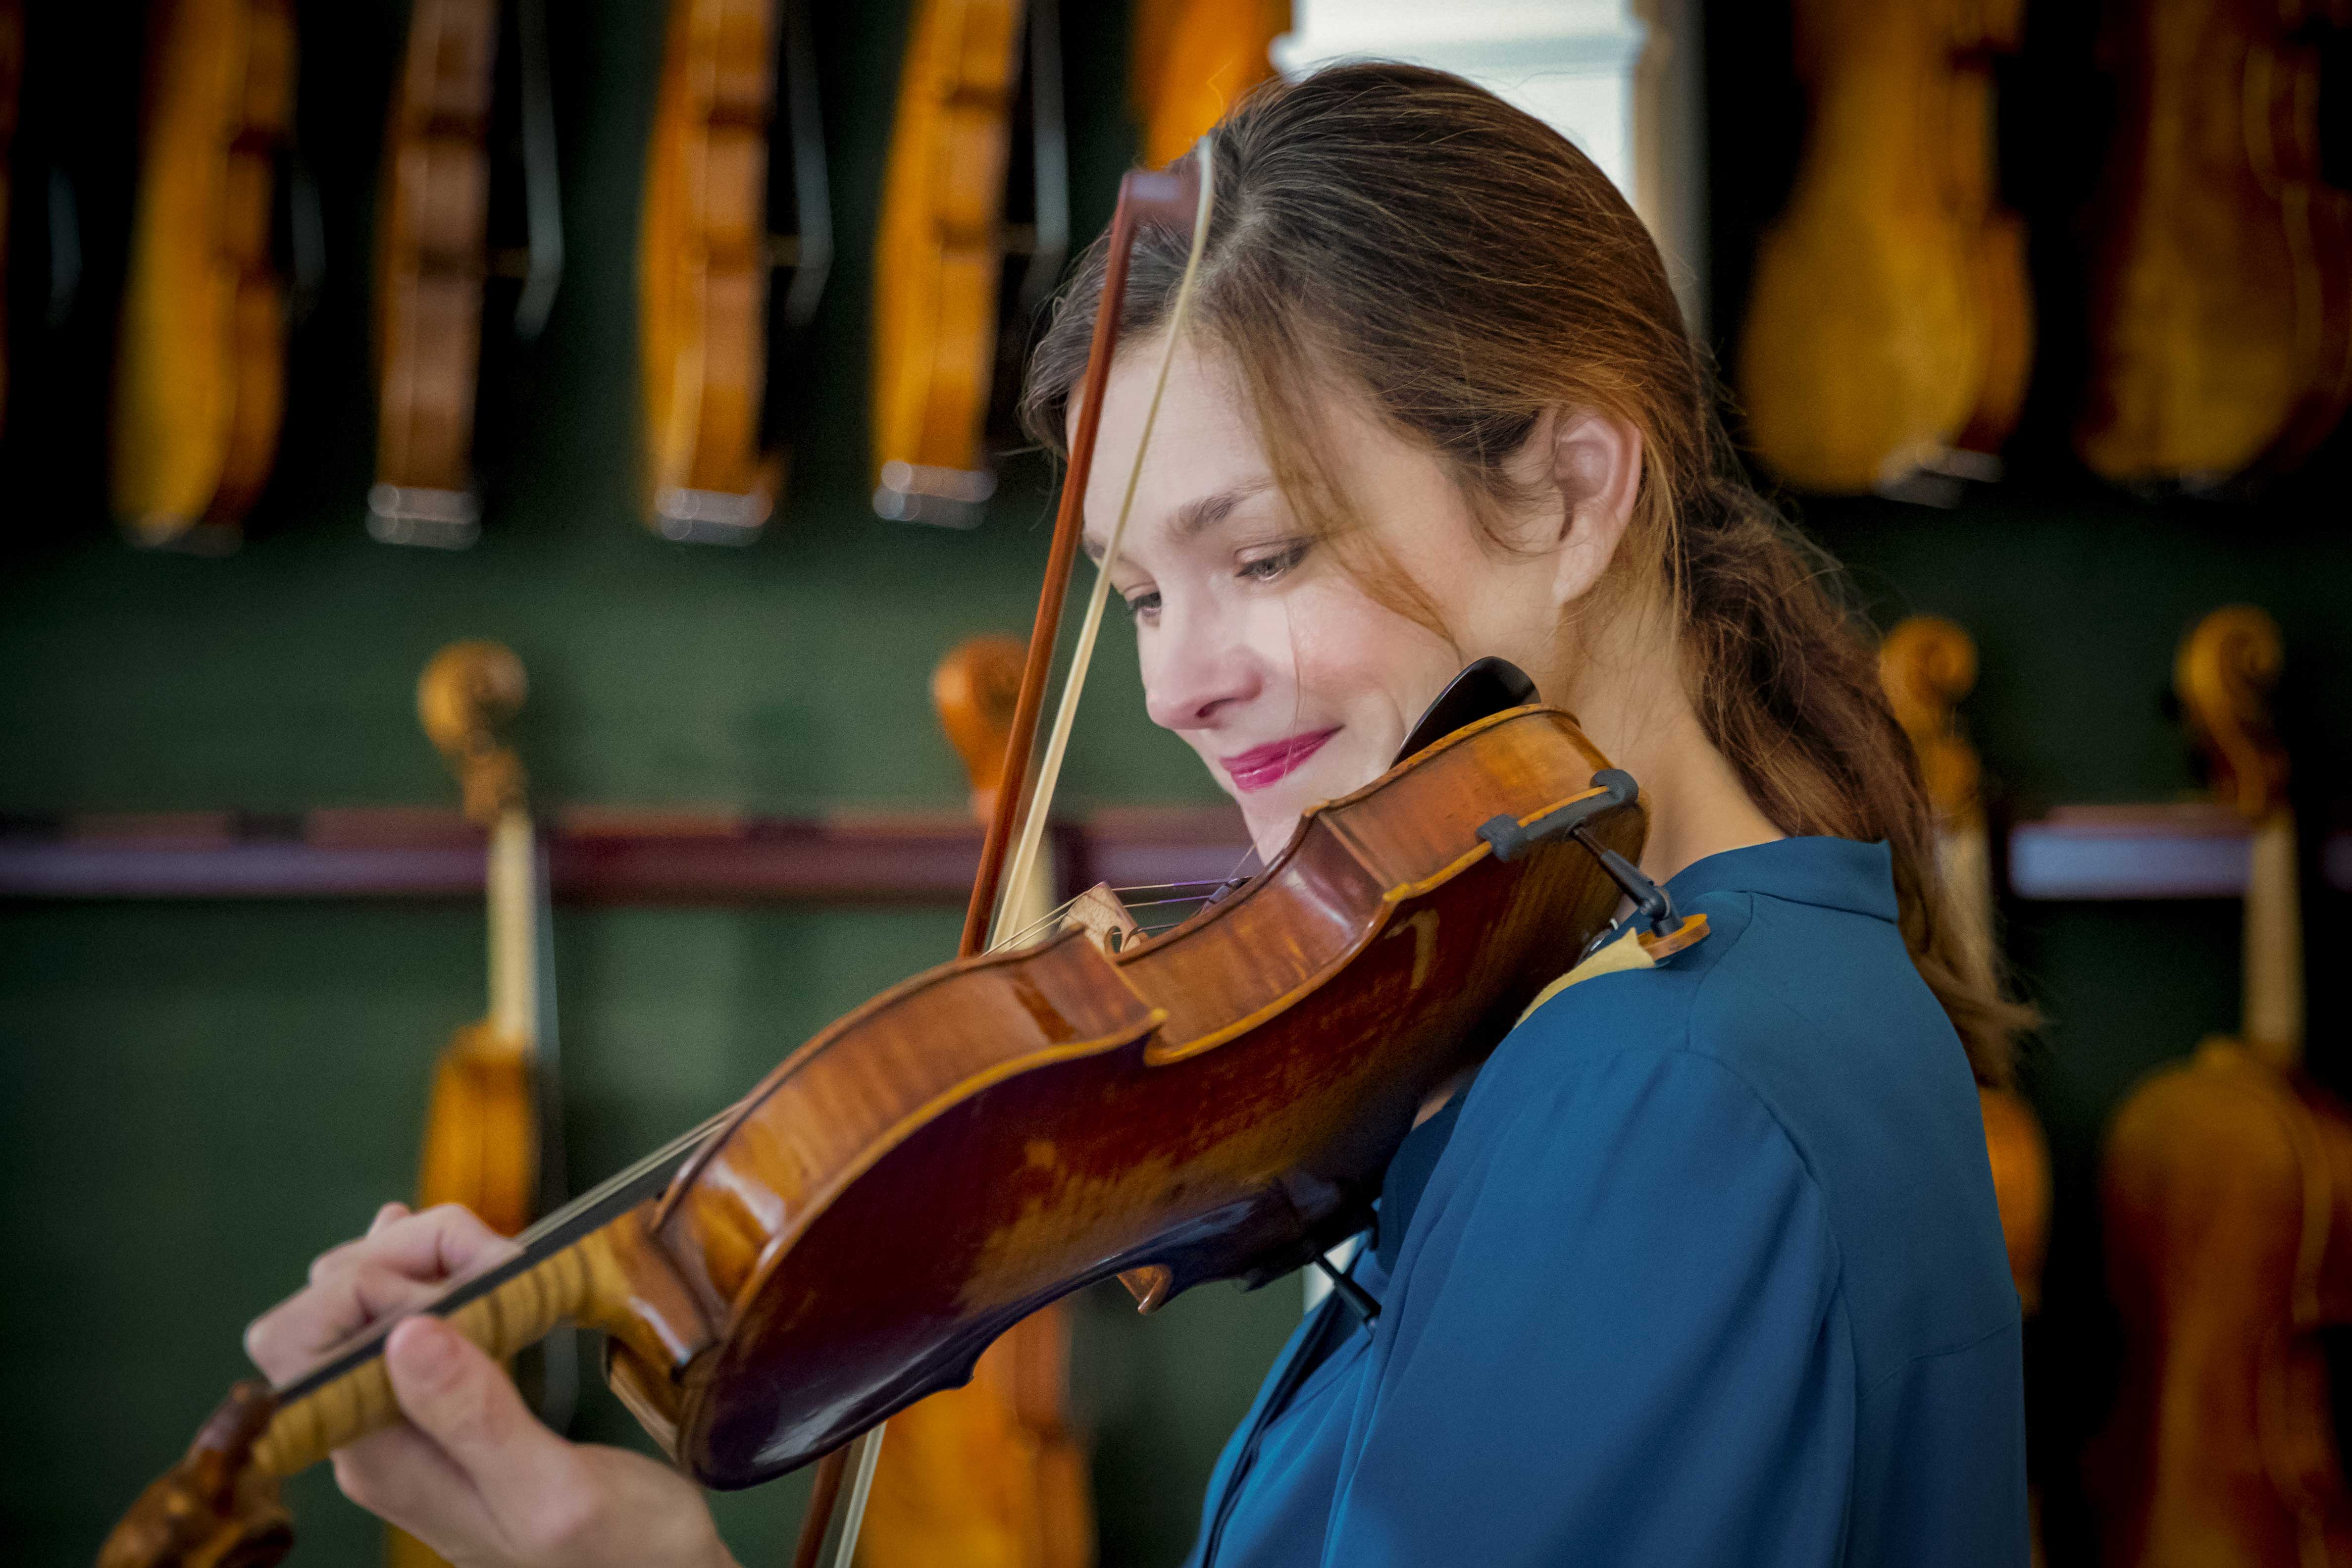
[{"x": 1621, "y": 1341}]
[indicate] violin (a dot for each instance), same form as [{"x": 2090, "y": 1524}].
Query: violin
[
  {"x": 1216, "y": 1101},
  {"x": 434, "y": 256},
  {"x": 993, "y": 1471},
  {"x": 2222, "y": 306},
  {"x": 200, "y": 370},
  {"x": 1191, "y": 60},
  {"x": 2227, "y": 1185},
  {"x": 489, "y": 1126},
  {"x": 712, "y": 458},
  {"x": 12, "y": 86},
  {"x": 937, "y": 260},
  {"x": 1889, "y": 330}
]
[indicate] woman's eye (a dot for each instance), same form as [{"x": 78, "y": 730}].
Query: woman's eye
[
  {"x": 1142, "y": 606},
  {"x": 1268, "y": 567}
]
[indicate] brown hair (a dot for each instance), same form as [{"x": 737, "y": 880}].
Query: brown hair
[{"x": 1411, "y": 235}]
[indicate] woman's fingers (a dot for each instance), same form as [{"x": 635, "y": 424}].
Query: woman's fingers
[
  {"x": 403, "y": 1262},
  {"x": 526, "y": 1494}
]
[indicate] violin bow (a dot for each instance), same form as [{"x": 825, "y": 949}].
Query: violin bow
[{"x": 1182, "y": 193}]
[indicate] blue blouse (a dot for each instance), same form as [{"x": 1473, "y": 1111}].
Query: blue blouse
[{"x": 1704, "y": 1268}]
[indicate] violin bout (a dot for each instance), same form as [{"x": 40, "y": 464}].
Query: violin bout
[
  {"x": 2229, "y": 1249},
  {"x": 1891, "y": 321},
  {"x": 213, "y": 1509},
  {"x": 479, "y": 1133}
]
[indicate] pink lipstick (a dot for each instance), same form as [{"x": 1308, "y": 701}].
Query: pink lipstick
[{"x": 1263, "y": 765}]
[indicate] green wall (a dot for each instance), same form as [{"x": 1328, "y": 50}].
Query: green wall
[{"x": 195, "y": 1098}]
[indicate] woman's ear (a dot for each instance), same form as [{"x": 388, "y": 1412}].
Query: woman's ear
[{"x": 1596, "y": 461}]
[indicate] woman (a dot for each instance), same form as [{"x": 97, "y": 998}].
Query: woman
[{"x": 1702, "y": 1265}]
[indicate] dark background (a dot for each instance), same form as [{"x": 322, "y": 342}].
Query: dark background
[{"x": 196, "y": 1097}]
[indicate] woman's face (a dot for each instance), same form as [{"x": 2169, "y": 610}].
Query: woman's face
[{"x": 1265, "y": 655}]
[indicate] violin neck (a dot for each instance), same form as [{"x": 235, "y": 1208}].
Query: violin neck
[
  {"x": 1963, "y": 853},
  {"x": 513, "y": 889},
  {"x": 2273, "y": 936},
  {"x": 586, "y": 1281}
]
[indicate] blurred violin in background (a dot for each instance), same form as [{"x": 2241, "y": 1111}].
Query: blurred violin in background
[
  {"x": 493, "y": 1126},
  {"x": 434, "y": 252},
  {"x": 12, "y": 86},
  {"x": 1191, "y": 60},
  {"x": 200, "y": 372},
  {"x": 993, "y": 1472},
  {"x": 942, "y": 289},
  {"x": 708, "y": 341},
  {"x": 2222, "y": 309},
  {"x": 1889, "y": 332},
  {"x": 2227, "y": 1185}
]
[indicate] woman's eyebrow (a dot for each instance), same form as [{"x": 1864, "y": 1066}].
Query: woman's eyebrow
[{"x": 1197, "y": 515}]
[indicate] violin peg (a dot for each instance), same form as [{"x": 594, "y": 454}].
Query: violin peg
[
  {"x": 1150, "y": 1285},
  {"x": 214, "y": 1509}
]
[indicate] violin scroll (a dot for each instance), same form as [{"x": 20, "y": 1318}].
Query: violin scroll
[
  {"x": 1926, "y": 664},
  {"x": 465, "y": 695},
  {"x": 214, "y": 1508},
  {"x": 2223, "y": 675},
  {"x": 975, "y": 689}
]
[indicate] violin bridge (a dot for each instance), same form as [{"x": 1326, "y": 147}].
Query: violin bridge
[{"x": 1105, "y": 921}]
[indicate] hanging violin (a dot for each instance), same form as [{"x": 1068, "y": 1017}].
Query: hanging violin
[
  {"x": 12, "y": 82},
  {"x": 2226, "y": 1186},
  {"x": 1218, "y": 1101},
  {"x": 993, "y": 1472},
  {"x": 2221, "y": 309},
  {"x": 1890, "y": 328},
  {"x": 434, "y": 253},
  {"x": 941, "y": 287},
  {"x": 200, "y": 369},
  {"x": 491, "y": 1128},
  {"x": 1191, "y": 60},
  {"x": 709, "y": 345}
]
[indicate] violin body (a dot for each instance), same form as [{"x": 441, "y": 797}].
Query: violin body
[
  {"x": 432, "y": 257},
  {"x": 12, "y": 86},
  {"x": 1193, "y": 59},
  {"x": 1890, "y": 320},
  {"x": 1218, "y": 1101},
  {"x": 200, "y": 374},
  {"x": 2228, "y": 1194},
  {"x": 2228, "y": 1190},
  {"x": 938, "y": 257},
  {"x": 2222, "y": 315},
  {"x": 703, "y": 275}
]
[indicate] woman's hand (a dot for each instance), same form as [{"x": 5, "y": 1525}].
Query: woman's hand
[{"x": 472, "y": 1473}]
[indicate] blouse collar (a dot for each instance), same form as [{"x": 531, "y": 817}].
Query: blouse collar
[{"x": 1836, "y": 873}]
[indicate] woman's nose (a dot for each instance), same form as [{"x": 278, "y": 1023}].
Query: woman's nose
[{"x": 1193, "y": 672}]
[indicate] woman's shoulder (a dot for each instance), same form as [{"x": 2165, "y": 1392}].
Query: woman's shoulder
[{"x": 1802, "y": 1008}]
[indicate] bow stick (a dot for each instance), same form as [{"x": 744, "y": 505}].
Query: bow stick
[{"x": 1185, "y": 193}]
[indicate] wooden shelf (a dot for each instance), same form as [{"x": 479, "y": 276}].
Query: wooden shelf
[
  {"x": 595, "y": 855},
  {"x": 609, "y": 855},
  {"x": 2190, "y": 850}
]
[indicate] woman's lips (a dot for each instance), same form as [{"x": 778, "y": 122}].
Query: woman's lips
[{"x": 1263, "y": 765}]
